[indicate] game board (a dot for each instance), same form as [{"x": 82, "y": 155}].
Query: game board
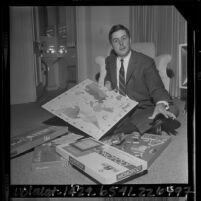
[
  {"x": 92, "y": 109},
  {"x": 104, "y": 163},
  {"x": 147, "y": 147}
]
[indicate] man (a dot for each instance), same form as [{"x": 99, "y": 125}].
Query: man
[{"x": 135, "y": 75}]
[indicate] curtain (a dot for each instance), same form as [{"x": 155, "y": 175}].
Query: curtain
[
  {"x": 164, "y": 26},
  {"x": 71, "y": 26}
]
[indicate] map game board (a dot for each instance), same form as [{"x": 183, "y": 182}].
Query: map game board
[
  {"x": 92, "y": 109},
  {"x": 104, "y": 163}
]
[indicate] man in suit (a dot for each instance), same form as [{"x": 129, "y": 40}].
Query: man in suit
[{"x": 134, "y": 74}]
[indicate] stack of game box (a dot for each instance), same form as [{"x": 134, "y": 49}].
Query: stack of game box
[{"x": 102, "y": 162}]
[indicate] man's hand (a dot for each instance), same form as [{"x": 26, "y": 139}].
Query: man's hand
[
  {"x": 108, "y": 85},
  {"x": 160, "y": 109}
]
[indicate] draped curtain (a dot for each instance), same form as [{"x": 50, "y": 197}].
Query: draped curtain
[
  {"x": 71, "y": 25},
  {"x": 164, "y": 26}
]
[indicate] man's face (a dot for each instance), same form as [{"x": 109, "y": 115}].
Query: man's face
[{"x": 121, "y": 43}]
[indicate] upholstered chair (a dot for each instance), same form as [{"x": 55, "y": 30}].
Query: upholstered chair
[{"x": 148, "y": 49}]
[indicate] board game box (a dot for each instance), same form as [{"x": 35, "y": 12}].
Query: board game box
[
  {"x": 146, "y": 147},
  {"x": 45, "y": 155},
  {"x": 104, "y": 163},
  {"x": 33, "y": 138},
  {"x": 92, "y": 109}
]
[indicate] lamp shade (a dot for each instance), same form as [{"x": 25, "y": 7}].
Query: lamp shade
[{"x": 51, "y": 47}]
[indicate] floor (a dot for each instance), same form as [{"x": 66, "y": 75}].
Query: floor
[{"x": 25, "y": 117}]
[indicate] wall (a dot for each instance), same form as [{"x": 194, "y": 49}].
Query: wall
[
  {"x": 22, "y": 79},
  {"x": 93, "y": 25}
]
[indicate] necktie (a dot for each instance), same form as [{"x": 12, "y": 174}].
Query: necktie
[{"x": 122, "y": 82}]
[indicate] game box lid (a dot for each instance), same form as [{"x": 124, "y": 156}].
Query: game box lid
[
  {"x": 104, "y": 163},
  {"x": 33, "y": 138}
]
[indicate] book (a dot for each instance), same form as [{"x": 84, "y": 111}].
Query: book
[
  {"x": 33, "y": 138},
  {"x": 146, "y": 147},
  {"x": 102, "y": 162},
  {"x": 45, "y": 155},
  {"x": 90, "y": 108}
]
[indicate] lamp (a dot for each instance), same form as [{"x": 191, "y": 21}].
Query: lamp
[{"x": 53, "y": 44}]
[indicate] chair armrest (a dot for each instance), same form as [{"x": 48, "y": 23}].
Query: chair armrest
[
  {"x": 161, "y": 62},
  {"x": 100, "y": 60}
]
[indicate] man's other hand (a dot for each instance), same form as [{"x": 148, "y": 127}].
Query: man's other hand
[{"x": 160, "y": 108}]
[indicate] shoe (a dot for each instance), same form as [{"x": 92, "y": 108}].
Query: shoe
[
  {"x": 126, "y": 128},
  {"x": 156, "y": 128}
]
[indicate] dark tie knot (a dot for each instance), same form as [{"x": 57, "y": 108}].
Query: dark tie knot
[{"x": 122, "y": 67}]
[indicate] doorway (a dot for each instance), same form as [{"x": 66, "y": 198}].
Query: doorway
[{"x": 55, "y": 49}]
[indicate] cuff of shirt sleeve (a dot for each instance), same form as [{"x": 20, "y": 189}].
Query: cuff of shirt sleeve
[{"x": 165, "y": 103}]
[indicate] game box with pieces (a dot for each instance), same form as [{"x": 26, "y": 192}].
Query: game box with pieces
[
  {"x": 102, "y": 162},
  {"x": 33, "y": 138},
  {"x": 146, "y": 147},
  {"x": 45, "y": 155},
  {"x": 91, "y": 109}
]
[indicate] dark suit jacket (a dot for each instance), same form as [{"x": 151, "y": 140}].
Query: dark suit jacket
[{"x": 143, "y": 82}]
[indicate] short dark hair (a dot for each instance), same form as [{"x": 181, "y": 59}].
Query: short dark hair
[{"x": 117, "y": 28}]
